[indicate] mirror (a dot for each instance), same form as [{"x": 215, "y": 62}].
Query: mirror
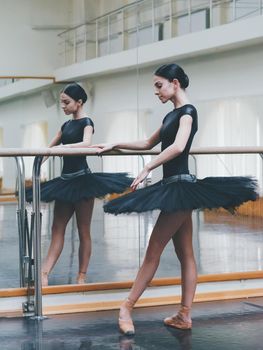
[{"x": 113, "y": 50}]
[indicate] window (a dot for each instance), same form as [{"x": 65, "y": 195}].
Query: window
[{"x": 34, "y": 136}]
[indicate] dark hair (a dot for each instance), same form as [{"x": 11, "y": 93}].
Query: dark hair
[
  {"x": 75, "y": 91},
  {"x": 173, "y": 71}
]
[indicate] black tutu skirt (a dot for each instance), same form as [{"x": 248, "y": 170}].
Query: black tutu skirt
[
  {"x": 185, "y": 192},
  {"x": 81, "y": 185}
]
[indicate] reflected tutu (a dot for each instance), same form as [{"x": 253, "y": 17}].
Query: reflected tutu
[
  {"x": 185, "y": 192},
  {"x": 81, "y": 185}
]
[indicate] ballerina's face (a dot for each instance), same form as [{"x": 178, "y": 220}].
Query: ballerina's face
[
  {"x": 163, "y": 88},
  {"x": 68, "y": 104}
]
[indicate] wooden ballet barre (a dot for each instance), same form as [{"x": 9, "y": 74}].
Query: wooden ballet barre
[
  {"x": 29, "y": 152},
  {"x": 20, "y": 77}
]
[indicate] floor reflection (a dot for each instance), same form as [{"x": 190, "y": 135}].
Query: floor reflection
[
  {"x": 223, "y": 243},
  {"x": 57, "y": 345},
  {"x": 224, "y": 325},
  {"x": 183, "y": 341},
  {"x": 127, "y": 343},
  {"x": 184, "y": 338}
]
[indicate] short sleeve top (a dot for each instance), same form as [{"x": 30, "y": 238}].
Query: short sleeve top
[
  {"x": 72, "y": 132},
  {"x": 169, "y": 129}
]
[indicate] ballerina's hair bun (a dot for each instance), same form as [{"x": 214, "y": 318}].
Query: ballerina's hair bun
[
  {"x": 185, "y": 81},
  {"x": 76, "y": 92},
  {"x": 173, "y": 71}
]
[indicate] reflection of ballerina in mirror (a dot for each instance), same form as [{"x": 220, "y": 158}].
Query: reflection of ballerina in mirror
[
  {"x": 126, "y": 343},
  {"x": 74, "y": 191}
]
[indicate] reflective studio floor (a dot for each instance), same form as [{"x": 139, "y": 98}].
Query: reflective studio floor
[
  {"x": 222, "y": 242},
  {"x": 224, "y": 325}
]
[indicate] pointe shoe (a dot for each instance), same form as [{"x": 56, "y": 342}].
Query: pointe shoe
[
  {"x": 44, "y": 279},
  {"x": 126, "y": 326},
  {"x": 179, "y": 320},
  {"x": 81, "y": 278}
]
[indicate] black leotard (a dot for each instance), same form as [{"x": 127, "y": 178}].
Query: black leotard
[
  {"x": 177, "y": 165},
  {"x": 77, "y": 182},
  {"x": 72, "y": 132}
]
